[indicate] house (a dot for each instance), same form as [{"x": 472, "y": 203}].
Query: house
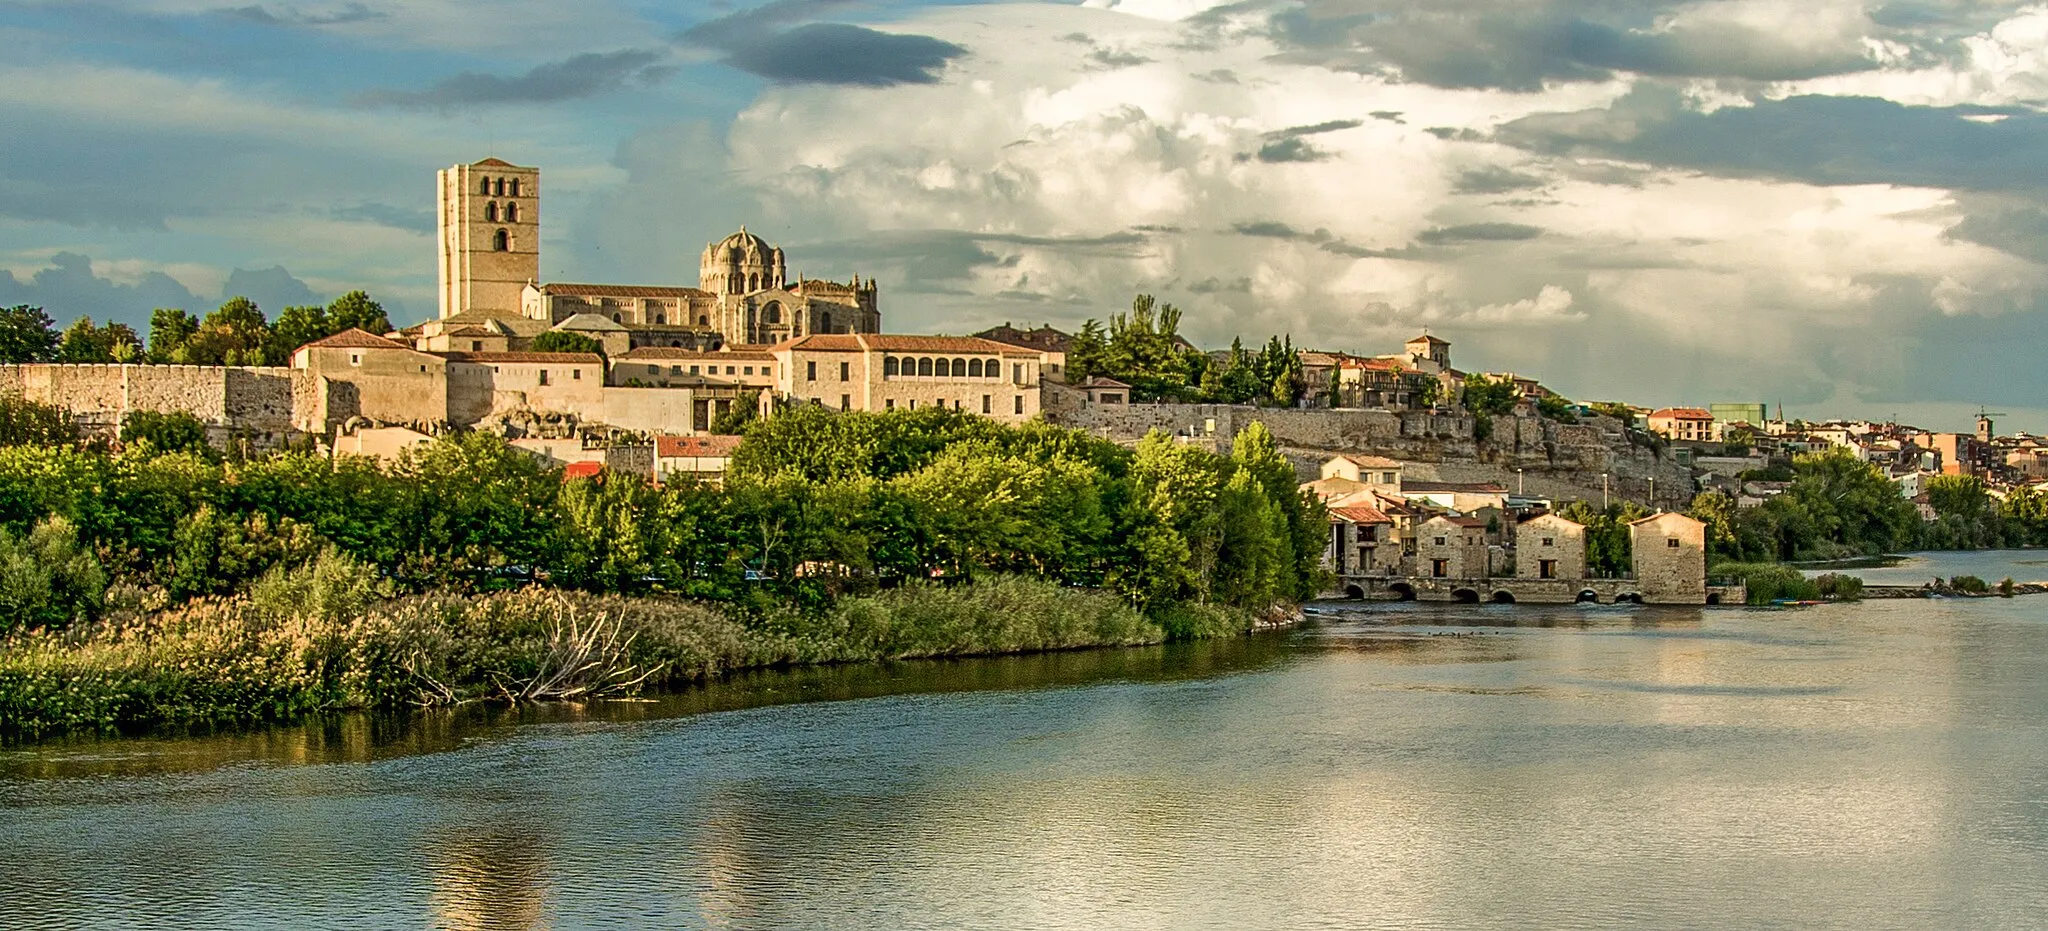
[
  {"x": 1376, "y": 471},
  {"x": 1106, "y": 391},
  {"x": 662, "y": 367},
  {"x": 884, "y": 372},
  {"x": 704, "y": 457},
  {"x": 1462, "y": 497},
  {"x": 1670, "y": 557},
  {"x": 1051, "y": 345},
  {"x": 1550, "y": 547},
  {"x": 1451, "y": 548},
  {"x": 1357, "y": 534},
  {"x": 1684, "y": 424}
]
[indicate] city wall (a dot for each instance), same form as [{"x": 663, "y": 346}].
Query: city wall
[{"x": 241, "y": 401}]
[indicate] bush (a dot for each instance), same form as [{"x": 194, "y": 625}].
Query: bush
[
  {"x": 1969, "y": 585},
  {"x": 996, "y": 614},
  {"x": 165, "y": 432},
  {"x": 1837, "y": 587},
  {"x": 27, "y": 423},
  {"x": 48, "y": 579},
  {"x": 1200, "y": 622},
  {"x": 1769, "y": 582}
]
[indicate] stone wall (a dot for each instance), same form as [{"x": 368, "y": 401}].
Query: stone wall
[{"x": 245, "y": 402}]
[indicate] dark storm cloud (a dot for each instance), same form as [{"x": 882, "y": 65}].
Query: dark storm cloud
[
  {"x": 1820, "y": 140},
  {"x": 762, "y": 42},
  {"x": 1289, "y": 145},
  {"x": 2018, "y": 228},
  {"x": 1522, "y": 46},
  {"x": 1479, "y": 232},
  {"x": 1494, "y": 180},
  {"x": 585, "y": 75}
]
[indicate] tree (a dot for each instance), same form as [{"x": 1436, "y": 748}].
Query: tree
[
  {"x": 28, "y": 423},
  {"x": 1490, "y": 397},
  {"x": 26, "y": 335},
  {"x": 1556, "y": 408},
  {"x": 83, "y": 342},
  {"x": 165, "y": 432},
  {"x": 1609, "y": 552},
  {"x": 743, "y": 413},
  {"x": 355, "y": 310},
  {"x": 565, "y": 341},
  {"x": 170, "y": 335},
  {"x": 235, "y": 334},
  {"x": 295, "y": 327}
]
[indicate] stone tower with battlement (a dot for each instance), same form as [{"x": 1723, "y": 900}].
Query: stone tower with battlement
[{"x": 490, "y": 237}]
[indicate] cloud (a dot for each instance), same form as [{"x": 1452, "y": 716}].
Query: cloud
[
  {"x": 1493, "y": 179},
  {"x": 762, "y": 42},
  {"x": 1479, "y": 232},
  {"x": 585, "y": 75},
  {"x": 1551, "y": 305},
  {"x": 348, "y": 13},
  {"x": 72, "y": 285},
  {"x": 410, "y": 219},
  {"x": 1289, "y": 145}
]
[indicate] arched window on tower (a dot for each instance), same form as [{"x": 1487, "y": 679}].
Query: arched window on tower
[
  {"x": 491, "y": 212},
  {"x": 498, "y": 187},
  {"x": 511, "y": 213},
  {"x": 773, "y": 311},
  {"x": 703, "y": 320},
  {"x": 515, "y": 187},
  {"x": 501, "y": 241},
  {"x": 484, "y": 187},
  {"x": 753, "y": 282},
  {"x": 824, "y": 323}
]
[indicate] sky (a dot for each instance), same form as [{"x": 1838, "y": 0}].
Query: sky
[{"x": 1840, "y": 207}]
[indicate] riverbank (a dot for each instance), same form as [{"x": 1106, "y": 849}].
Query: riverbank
[{"x": 325, "y": 640}]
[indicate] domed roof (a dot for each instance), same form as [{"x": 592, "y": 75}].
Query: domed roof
[{"x": 744, "y": 243}]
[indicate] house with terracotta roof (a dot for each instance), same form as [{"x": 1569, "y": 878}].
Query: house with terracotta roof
[
  {"x": 1685, "y": 424},
  {"x": 886, "y": 372},
  {"x": 1451, "y": 548},
  {"x": 1361, "y": 541},
  {"x": 1050, "y": 344},
  {"x": 704, "y": 457},
  {"x": 1376, "y": 471}
]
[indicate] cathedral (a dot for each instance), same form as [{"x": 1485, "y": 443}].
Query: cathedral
[{"x": 492, "y": 298}]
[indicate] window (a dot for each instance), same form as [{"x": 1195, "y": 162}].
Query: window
[
  {"x": 824, "y": 323},
  {"x": 943, "y": 368},
  {"x": 693, "y": 370},
  {"x": 476, "y": 345},
  {"x": 773, "y": 311},
  {"x": 811, "y": 371},
  {"x": 985, "y": 403},
  {"x": 484, "y": 188},
  {"x": 1020, "y": 403},
  {"x": 501, "y": 241},
  {"x": 355, "y": 358},
  {"x": 575, "y": 374},
  {"x": 974, "y": 368},
  {"x": 889, "y": 404},
  {"x": 924, "y": 366},
  {"x": 673, "y": 369},
  {"x": 1439, "y": 541},
  {"x": 749, "y": 370},
  {"x": 515, "y": 187},
  {"x": 845, "y": 402},
  {"x": 1546, "y": 568},
  {"x": 660, "y": 319},
  {"x": 1440, "y": 568},
  {"x": 491, "y": 212},
  {"x": 1549, "y": 541},
  {"x": 703, "y": 320},
  {"x": 1018, "y": 372},
  {"x": 845, "y": 371},
  {"x": 511, "y": 213},
  {"x": 959, "y": 368},
  {"x": 913, "y": 404},
  {"x": 890, "y": 366},
  {"x": 498, "y": 187},
  {"x": 543, "y": 376},
  {"x": 1671, "y": 544}
]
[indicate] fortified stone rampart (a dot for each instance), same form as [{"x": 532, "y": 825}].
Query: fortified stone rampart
[{"x": 239, "y": 401}]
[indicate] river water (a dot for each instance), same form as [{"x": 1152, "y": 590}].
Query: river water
[{"x": 1880, "y": 765}]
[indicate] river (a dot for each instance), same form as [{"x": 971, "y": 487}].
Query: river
[{"x": 1877, "y": 765}]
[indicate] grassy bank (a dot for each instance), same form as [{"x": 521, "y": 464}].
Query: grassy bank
[
  {"x": 1771, "y": 582},
  {"x": 326, "y": 638}
]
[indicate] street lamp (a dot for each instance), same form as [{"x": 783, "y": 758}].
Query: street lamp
[
  {"x": 1604, "y": 504},
  {"x": 1521, "y": 486}
]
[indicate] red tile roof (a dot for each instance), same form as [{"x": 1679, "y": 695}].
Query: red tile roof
[
  {"x": 620, "y": 290},
  {"x": 1683, "y": 413},
  {"x": 1372, "y": 462},
  {"x": 547, "y": 357},
  {"x": 895, "y": 342},
  {"x": 582, "y": 470},
  {"x": 660, "y": 352},
  {"x": 493, "y": 163},
  {"x": 353, "y": 338},
  {"x": 699, "y": 447},
  {"x": 1360, "y": 514},
  {"x": 1470, "y": 488}
]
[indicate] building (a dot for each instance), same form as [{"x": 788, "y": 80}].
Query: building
[
  {"x": 1727, "y": 415},
  {"x": 664, "y": 368},
  {"x": 1361, "y": 542},
  {"x": 1105, "y": 391},
  {"x": 1550, "y": 547},
  {"x": 492, "y": 298},
  {"x": 700, "y": 457},
  {"x": 1684, "y": 424},
  {"x": 1051, "y": 345},
  {"x": 1462, "y": 497},
  {"x": 1670, "y": 557},
  {"x": 1451, "y": 548},
  {"x": 878, "y": 372},
  {"x": 1372, "y": 471}
]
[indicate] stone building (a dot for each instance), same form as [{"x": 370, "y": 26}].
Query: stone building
[
  {"x": 878, "y": 372},
  {"x": 492, "y": 298},
  {"x": 1550, "y": 547},
  {"x": 1361, "y": 542},
  {"x": 1372, "y": 471},
  {"x": 1451, "y": 548},
  {"x": 1670, "y": 556}
]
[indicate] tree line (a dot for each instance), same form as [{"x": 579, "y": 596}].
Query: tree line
[
  {"x": 236, "y": 333},
  {"x": 817, "y": 505}
]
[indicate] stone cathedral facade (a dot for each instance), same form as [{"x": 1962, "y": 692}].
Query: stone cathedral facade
[{"x": 492, "y": 298}]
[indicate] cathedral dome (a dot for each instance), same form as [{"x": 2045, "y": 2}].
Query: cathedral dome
[{"x": 741, "y": 248}]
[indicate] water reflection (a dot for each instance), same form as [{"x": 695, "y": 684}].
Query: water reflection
[{"x": 489, "y": 876}]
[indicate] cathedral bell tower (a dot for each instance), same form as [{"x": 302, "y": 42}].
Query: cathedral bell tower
[{"x": 490, "y": 237}]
